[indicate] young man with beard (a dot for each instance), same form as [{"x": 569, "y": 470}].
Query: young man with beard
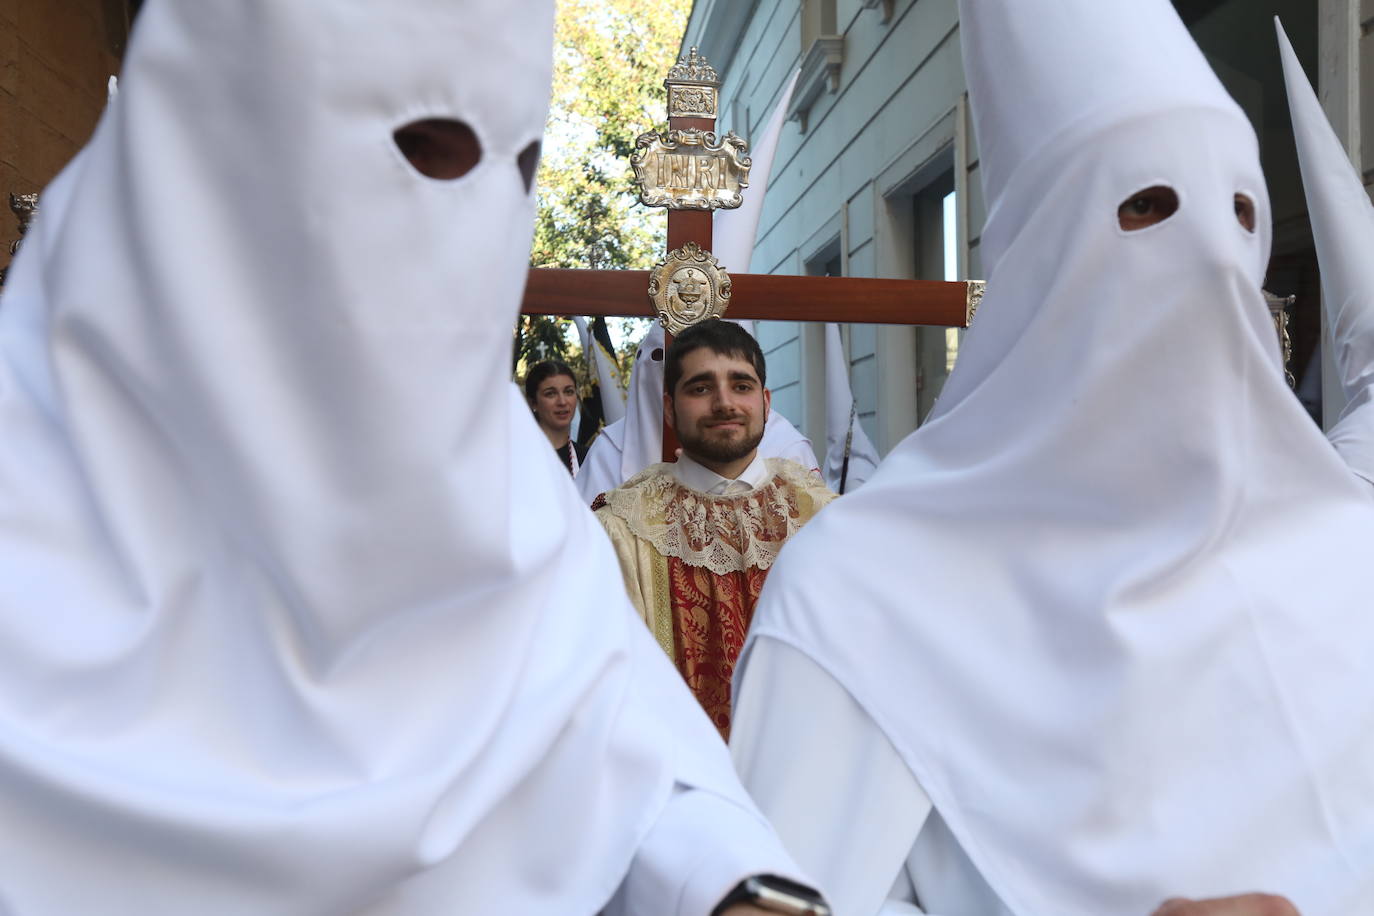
[{"x": 696, "y": 538}]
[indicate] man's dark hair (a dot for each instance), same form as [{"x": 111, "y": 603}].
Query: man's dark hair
[
  {"x": 724, "y": 338},
  {"x": 545, "y": 370}
]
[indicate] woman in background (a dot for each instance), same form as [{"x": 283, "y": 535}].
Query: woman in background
[{"x": 551, "y": 390}]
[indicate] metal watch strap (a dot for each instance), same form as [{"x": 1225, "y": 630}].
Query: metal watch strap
[{"x": 776, "y": 895}]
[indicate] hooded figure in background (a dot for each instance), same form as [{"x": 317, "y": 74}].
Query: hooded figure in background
[
  {"x": 1343, "y": 230},
  {"x": 628, "y": 446},
  {"x": 298, "y": 614},
  {"x": 1098, "y": 633}
]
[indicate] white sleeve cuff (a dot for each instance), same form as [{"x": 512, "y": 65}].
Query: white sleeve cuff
[{"x": 700, "y": 848}]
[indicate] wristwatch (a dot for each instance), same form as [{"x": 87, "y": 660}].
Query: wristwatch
[{"x": 776, "y": 895}]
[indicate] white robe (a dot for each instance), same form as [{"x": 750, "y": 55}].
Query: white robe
[
  {"x": 299, "y": 614},
  {"x": 1343, "y": 231},
  {"x": 867, "y": 825},
  {"x": 1110, "y": 605}
]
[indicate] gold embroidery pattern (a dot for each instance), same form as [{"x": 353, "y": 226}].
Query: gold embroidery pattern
[
  {"x": 711, "y": 615},
  {"x": 720, "y": 533}
]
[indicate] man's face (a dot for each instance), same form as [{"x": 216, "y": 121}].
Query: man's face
[{"x": 718, "y": 408}]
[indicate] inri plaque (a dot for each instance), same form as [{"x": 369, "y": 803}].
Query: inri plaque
[{"x": 691, "y": 169}]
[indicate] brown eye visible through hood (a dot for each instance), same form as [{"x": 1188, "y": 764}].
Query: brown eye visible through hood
[
  {"x": 1245, "y": 212},
  {"x": 439, "y": 147},
  {"x": 1147, "y": 207}
]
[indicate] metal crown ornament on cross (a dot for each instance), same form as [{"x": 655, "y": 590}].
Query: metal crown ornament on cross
[{"x": 690, "y": 168}]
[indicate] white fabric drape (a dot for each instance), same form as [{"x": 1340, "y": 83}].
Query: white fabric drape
[
  {"x": 1343, "y": 230},
  {"x": 850, "y": 457},
  {"x": 643, "y": 438},
  {"x": 733, "y": 232},
  {"x": 298, "y": 612},
  {"x": 628, "y": 446},
  {"x": 867, "y": 830},
  {"x": 601, "y": 468},
  {"x": 1111, "y": 604}
]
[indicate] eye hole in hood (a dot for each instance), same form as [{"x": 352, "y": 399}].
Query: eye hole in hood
[
  {"x": 1146, "y": 208},
  {"x": 439, "y": 148},
  {"x": 528, "y": 161},
  {"x": 1245, "y": 212}
]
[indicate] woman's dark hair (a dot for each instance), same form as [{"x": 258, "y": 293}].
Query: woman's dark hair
[{"x": 539, "y": 372}]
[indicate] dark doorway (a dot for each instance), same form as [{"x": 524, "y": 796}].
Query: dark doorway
[{"x": 1238, "y": 38}]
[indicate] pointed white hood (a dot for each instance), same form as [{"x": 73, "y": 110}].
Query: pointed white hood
[
  {"x": 264, "y": 646},
  {"x": 1074, "y": 66},
  {"x": 1111, "y": 603},
  {"x": 1343, "y": 229},
  {"x": 734, "y": 231},
  {"x": 642, "y": 444},
  {"x": 843, "y": 431}
]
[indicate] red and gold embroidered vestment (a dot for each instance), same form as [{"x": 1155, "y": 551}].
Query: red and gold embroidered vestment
[{"x": 694, "y": 563}]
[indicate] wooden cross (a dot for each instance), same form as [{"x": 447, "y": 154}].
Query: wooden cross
[{"x": 760, "y": 297}]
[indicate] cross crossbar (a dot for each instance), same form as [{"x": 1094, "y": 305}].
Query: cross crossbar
[
  {"x": 760, "y": 297},
  {"x": 693, "y": 100}
]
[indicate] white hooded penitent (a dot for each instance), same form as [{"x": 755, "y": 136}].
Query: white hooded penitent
[
  {"x": 1111, "y": 603},
  {"x": 298, "y": 613},
  {"x": 1343, "y": 229},
  {"x": 642, "y": 442},
  {"x": 631, "y": 444}
]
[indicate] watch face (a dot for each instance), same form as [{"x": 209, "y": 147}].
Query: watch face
[{"x": 779, "y": 895}]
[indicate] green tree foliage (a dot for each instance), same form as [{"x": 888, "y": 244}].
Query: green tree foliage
[
  {"x": 610, "y": 58},
  {"x": 540, "y": 337}
]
